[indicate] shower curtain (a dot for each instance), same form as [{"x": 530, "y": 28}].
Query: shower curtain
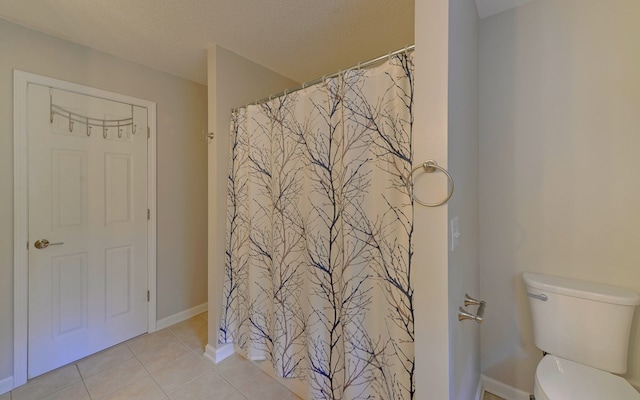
[{"x": 319, "y": 234}]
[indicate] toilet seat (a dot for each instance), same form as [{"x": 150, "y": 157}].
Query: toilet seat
[{"x": 560, "y": 379}]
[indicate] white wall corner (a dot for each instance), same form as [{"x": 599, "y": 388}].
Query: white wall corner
[
  {"x": 217, "y": 354},
  {"x": 502, "y": 389},
  {"x": 181, "y": 316},
  {"x": 6, "y": 385}
]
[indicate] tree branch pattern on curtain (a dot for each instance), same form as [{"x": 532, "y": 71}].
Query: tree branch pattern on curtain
[{"x": 319, "y": 235}]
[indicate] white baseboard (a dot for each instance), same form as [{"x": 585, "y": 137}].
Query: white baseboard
[
  {"x": 6, "y": 385},
  {"x": 218, "y": 354},
  {"x": 636, "y": 385},
  {"x": 502, "y": 389},
  {"x": 479, "y": 390},
  {"x": 181, "y": 316}
]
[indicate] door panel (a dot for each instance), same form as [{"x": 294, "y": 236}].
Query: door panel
[
  {"x": 119, "y": 281},
  {"x": 118, "y": 175},
  {"x": 69, "y": 289},
  {"x": 88, "y": 198},
  {"x": 69, "y": 185}
]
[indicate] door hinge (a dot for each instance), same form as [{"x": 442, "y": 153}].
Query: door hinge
[
  {"x": 148, "y": 296},
  {"x": 148, "y": 214},
  {"x": 148, "y": 132}
]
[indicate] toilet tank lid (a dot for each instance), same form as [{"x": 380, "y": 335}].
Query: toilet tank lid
[{"x": 582, "y": 289}]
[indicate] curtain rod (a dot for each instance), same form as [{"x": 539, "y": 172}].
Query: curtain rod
[{"x": 361, "y": 65}]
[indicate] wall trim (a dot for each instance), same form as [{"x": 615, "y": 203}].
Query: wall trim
[
  {"x": 6, "y": 385},
  {"x": 502, "y": 389},
  {"x": 181, "y": 316},
  {"x": 218, "y": 354},
  {"x": 20, "y": 203},
  {"x": 479, "y": 390}
]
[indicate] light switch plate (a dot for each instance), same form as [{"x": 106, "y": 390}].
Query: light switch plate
[{"x": 455, "y": 233}]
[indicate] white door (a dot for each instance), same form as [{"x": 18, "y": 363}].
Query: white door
[{"x": 88, "y": 199}]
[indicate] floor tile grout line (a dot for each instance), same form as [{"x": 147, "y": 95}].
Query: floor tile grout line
[
  {"x": 148, "y": 372},
  {"x": 191, "y": 380},
  {"x": 55, "y": 391},
  {"x": 84, "y": 384},
  {"x": 197, "y": 352},
  {"x": 115, "y": 365},
  {"x": 236, "y": 389},
  {"x": 167, "y": 394},
  {"x": 103, "y": 351},
  {"x": 177, "y": 337},
  {"x": 243, "y": 384}
]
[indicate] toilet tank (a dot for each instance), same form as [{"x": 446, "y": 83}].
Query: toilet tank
[{"x": 585, "y": 322}]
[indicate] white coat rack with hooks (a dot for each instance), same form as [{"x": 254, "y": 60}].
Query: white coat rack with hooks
[{"x": 89, "y": 122}]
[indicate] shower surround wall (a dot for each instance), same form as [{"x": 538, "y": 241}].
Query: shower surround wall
[{"x": 559, "y": 182}]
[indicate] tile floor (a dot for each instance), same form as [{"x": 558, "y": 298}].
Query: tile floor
[
  {"x": 490, "y": 396},
  {"x": 165, "y": 365}
]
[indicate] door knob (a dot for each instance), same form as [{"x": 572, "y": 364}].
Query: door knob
[{"x": 44, "y": 243}]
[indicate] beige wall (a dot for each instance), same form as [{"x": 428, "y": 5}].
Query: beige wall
[
  {"x": 463, "y": 166},
  {"x": 181, "y": 171},
  {"x": 233, "y": 81},
  {"x": 559, "y": 162}
]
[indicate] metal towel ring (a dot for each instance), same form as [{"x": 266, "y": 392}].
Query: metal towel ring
[{"x": 429, "y": 166}]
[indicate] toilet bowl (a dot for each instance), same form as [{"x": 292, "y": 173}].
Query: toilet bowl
[
  {"x": 560, "y": 379},
  {"x": 583, "y": 328}
]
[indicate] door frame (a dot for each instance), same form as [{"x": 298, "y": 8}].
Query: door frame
[{"x": 21, "y": 80}]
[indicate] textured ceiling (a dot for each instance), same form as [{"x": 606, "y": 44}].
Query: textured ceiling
[{"x": 300, "y": 39}]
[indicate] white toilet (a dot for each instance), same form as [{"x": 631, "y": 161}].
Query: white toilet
[{"x": 584, "y": 329}]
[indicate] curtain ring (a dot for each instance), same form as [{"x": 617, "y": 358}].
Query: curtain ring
[{"x": 429, "y": 166}]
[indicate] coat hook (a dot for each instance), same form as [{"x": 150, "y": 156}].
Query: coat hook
[
  {"x": 133, "y": 130},
  {"x": 89, "y": 130},
  {"x": 50, "y": 106},
  {"x": 104, "y": 131},
  {"x": 207, "y": 136},
  {"x": 70, "y": 123}
]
